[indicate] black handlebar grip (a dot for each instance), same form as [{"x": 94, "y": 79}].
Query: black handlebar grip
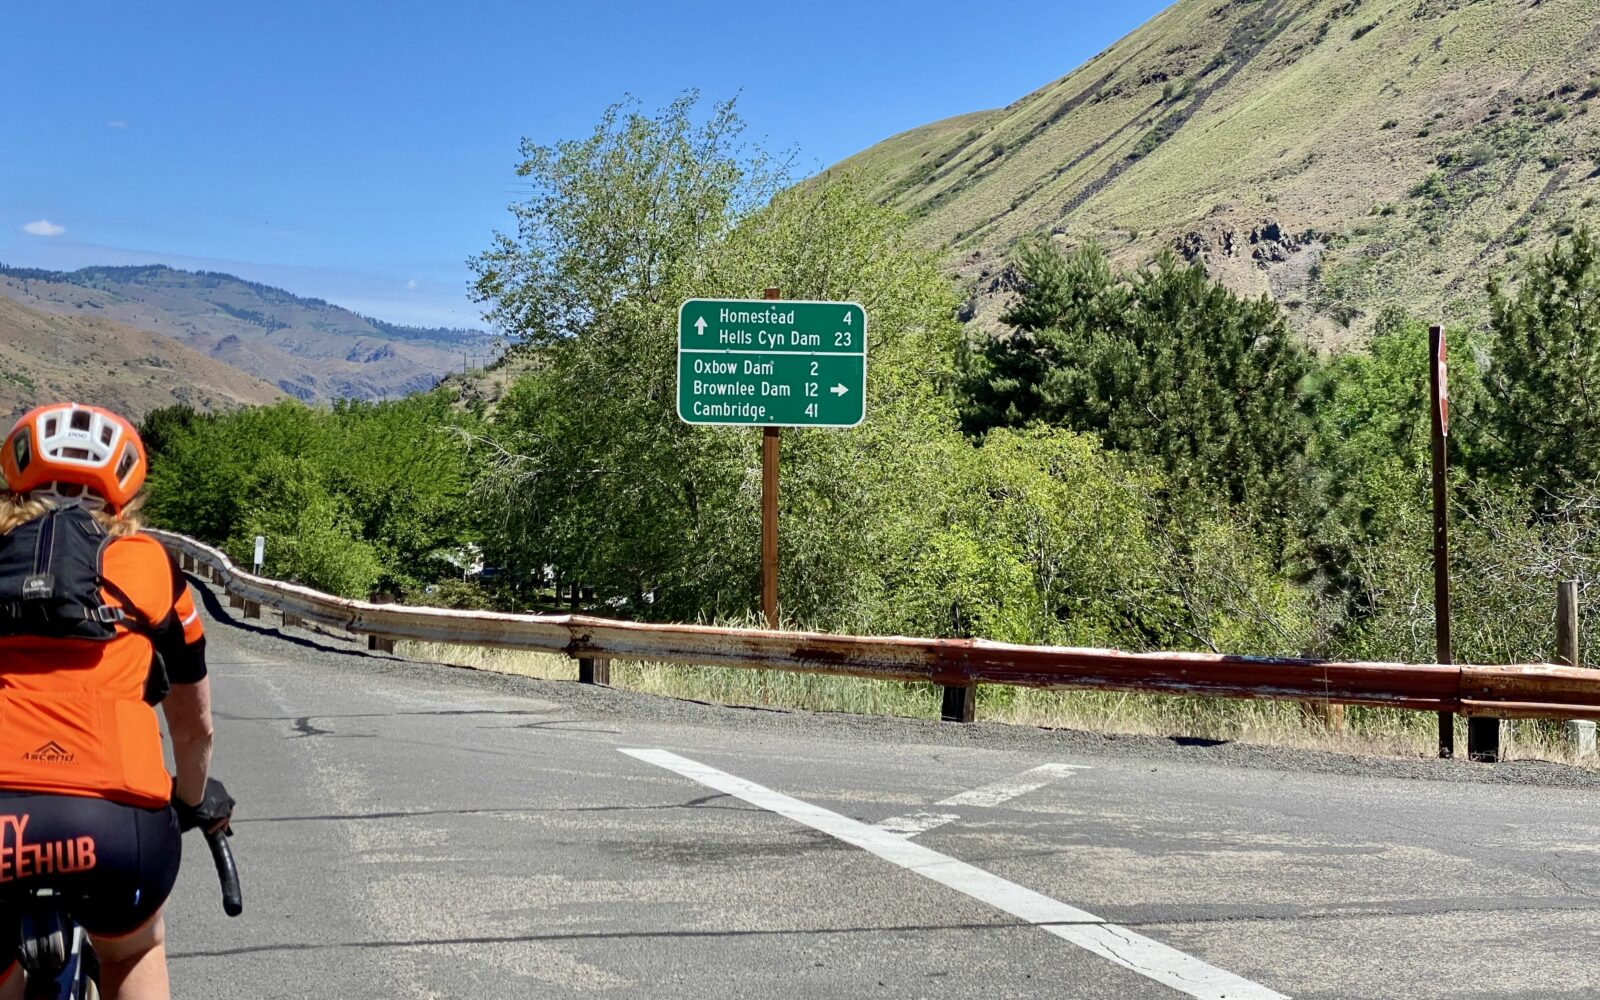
[{"x": 227, "y": 873}]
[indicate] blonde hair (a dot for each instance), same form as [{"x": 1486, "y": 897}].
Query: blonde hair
[{"x": 18, "y": 509}]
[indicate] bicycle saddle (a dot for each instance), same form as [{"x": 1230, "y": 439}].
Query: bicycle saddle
[{"x": 46, "y": 936}]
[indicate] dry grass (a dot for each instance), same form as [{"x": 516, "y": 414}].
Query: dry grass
[{"x": 1381, "y": 732}]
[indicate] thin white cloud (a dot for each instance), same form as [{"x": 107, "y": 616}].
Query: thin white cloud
[
  {"x": 116, "y": 123},
  {"x": 411, "y": 285},
  {"x": 43, "y": 227}
]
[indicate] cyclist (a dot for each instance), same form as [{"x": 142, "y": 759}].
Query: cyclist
[{"x": 96, "y": 625}]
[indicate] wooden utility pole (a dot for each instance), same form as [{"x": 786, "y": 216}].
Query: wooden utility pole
[
  {"x": 769, "y": 516},
  {"x": 1567, "y": 623},
  {"x": 1580, "y": 732},
  {"x": 1439, "y": 393}
]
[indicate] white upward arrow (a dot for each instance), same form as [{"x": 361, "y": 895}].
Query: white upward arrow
[
  {"x": 838, "y": 390},
  {"x": 700, "y": 326}
]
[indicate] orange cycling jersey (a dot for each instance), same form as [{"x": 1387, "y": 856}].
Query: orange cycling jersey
[{"x": 73, "y": 716}]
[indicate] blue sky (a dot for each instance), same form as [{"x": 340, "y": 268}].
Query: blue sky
[{"x": 361, "y": 151}]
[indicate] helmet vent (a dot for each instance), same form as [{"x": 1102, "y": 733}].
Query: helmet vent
[
  {"x": 129, "y": 458},
  {"x": 20, "y": 448},
  {"x": 50, "y": 427},
  {"x": 81, "y": 420},
  {"x": 79, "y": 453},
  {"x": 105, "y": 435}
]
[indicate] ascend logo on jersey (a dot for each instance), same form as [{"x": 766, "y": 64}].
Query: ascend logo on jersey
[{"x": 51, "y": 753}]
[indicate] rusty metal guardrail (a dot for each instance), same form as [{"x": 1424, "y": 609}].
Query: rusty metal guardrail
[{"x": 1539, "y": 690}]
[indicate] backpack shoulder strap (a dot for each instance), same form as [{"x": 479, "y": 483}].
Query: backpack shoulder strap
[
  {"x": 156, "y": 682},
  {"x": 129, "y": 614}
]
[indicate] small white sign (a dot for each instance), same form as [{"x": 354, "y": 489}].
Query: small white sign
[
  {"x": 1444, "y": 389},
  {"x": 261, "y": 551}
]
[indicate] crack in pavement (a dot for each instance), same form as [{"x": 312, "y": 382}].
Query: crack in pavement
[
  {"x": 504, "y": 811},
  {"x": 595, "y": 936}
]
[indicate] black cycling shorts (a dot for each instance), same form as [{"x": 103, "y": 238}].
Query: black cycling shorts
[{"x": 118, "y": 862}]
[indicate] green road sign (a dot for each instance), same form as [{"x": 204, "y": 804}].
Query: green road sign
[{"x": 772, "y": 363}]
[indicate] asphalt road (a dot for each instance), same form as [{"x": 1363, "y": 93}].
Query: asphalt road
[{"x": 408, "y": 830}]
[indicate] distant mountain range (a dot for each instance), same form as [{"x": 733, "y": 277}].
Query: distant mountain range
[
  {"x": 1337, "y": 155},
  {"x": 47, "y": 357},
  {"x": 301, "y": 347}
]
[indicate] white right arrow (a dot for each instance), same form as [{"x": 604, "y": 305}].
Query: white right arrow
[
  {"x": 838, "y": 390},
  {"x": 700, "y": 326}
]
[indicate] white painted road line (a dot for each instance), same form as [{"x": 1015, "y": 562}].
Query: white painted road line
[
  {"x": 914, "y": 823},
  {"x": 1131, "y": 950},
  {"x": 1000, "y": 791},
  {"x": 987, "y": 795}
]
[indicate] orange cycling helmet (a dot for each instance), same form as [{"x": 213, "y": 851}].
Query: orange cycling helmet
[{"x": 64, "y": 449}]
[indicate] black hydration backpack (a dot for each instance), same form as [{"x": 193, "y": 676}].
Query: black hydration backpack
[{"x": 50, "y": 580}]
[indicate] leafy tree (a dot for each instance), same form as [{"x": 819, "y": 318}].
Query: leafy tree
[
  {"x": 1162, "y": 362},
  {"x": 900, "y": 525},
  {"x": 1505, "y": 563},
  {"x": 202, "y": 481},
  {"x": 590, "y": 472},
  {"x": 162, "y": 426},
  {"x": 1372, "y": 419},
  {"x": 315, "y": 539},
  {"x": 386, "y": 479},
  {"x": 1077, "y": 522},
  {"x": 595, "y": 475},
  {"x": 619, "y": 220}
]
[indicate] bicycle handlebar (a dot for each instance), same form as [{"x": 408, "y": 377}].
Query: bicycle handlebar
[{"x": 227, "y": 873}]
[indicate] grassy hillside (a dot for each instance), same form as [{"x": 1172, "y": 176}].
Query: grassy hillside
[
  {"x": 45, "y": 358},
  {"x": 1338, "y": 155},
  {"x": 307, "y": 348}
]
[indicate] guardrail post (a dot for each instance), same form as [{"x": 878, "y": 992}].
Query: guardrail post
[
  {"x": 378, "y": 644},
  {"x": 594, "y": 670},
  {"x": 252, "y": 609},
  {"x": 960, "y": 703},
  {"x": 1580, "y": 732},
  {"x": 292, "y": 620},
  {"x": 1326, "y": 715},
  {"x": 235, "y": 600}
]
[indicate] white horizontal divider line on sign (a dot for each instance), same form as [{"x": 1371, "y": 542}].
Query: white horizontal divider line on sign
[
  {"x": 986, "y": 795},
  {"x": 1126, "y": 948},
  {"x": 808, "y": 354}
]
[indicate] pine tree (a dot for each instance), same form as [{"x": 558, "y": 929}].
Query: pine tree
[
  {"x": 1163, "y": 362},
  {"x": 1544, "y": 384}
]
